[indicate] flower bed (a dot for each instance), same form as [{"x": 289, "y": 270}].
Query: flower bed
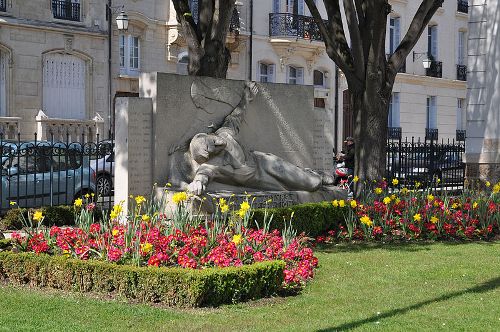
[{"x": 146, "y": 238}]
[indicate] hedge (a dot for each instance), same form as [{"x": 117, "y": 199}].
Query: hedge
[
  {"x": 169, "y": 286},
  {"x": 54, "y": 215},
  {"x": 311, "y": 218}
]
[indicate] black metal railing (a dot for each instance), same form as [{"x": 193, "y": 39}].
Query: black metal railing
[
  {"x": 66, "y": 10},
  {"x": 234, "y": 25},
  {"x": 291, "y": 25},
  {"x": 431, "y": 134},
  {"x": 394, "y": 133},
  {"x": 435, "y": 70},
  {"x": 39, "y": 173},
  {"x": 463, "y": 6},
  {"x": 461, "y": 135},
  {"x": 3, "y": 6},
  {"x": 462, "y": 72},
  {"x": 431, "y": 163}
]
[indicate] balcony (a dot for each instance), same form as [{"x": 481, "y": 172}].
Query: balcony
[
  {"x": 394, "y": 133},
  {"x": 461, "y": 135},
  {"x": 461, "y": 72},
  {"x": 66, "y": 10},
  {"x": 9, "y": 127},
  {"x": 3, "y": 5},
  {"x": 462, "y": 6},
  {"x": 431, "y": 134},
  {"x": 69, "y": 130},
  {"x": 435, "y": 70},
  {"x": 291, "y": 25}
]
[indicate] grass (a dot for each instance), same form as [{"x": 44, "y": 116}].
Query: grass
[{"x": 425, "y": 287}]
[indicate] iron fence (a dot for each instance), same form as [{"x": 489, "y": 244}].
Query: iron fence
[
  {"x": 428, "y": 162},
  {"x": 461, "y": 72},
  {"x": 291, "y": 25},
  {"x": 463, "y": 6},
  {"x": 39, "y": 173},
  {"x": 3, "y": 6},
  {"x": 66, "y": 10},
  {"x": 435, "y": 70}
]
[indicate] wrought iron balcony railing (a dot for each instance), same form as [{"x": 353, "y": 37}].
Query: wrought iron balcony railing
[
  {"x": 435, "y": 70},
  {"x": 461, "y": 72},
  {"x": 3, "y": 5},
  {"x": 394, "y": 133},
  {"x": 461, "y": 135},
  {"x": 431, "y": 134},
  {"x": 234, "y": 25},
  {"x": 291, "y": 25},
  {"x": 66, "y": 10},
  {"x": 463, "y": 6}
]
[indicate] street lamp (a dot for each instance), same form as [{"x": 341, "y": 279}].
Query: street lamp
[
  {"x": 426, "y": 62},
  {"x": 122, "y": 25}
]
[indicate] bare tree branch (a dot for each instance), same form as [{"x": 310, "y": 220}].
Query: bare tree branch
[
  {"x": 356, "y": 44},
  {"x": 417, "y": 27}
]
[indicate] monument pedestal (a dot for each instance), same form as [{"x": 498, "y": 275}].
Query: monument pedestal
[{"x": 206, "y": 203}]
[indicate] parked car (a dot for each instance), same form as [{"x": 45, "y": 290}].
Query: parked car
[
  {"x": 446, "y": 165},
  {"x": 104, "y": 168},
  {"x": 44, "y": 173}
]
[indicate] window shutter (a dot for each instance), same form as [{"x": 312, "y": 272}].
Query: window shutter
[
  {"x": 301, "y": 7},
  {"x": 276, "y": 6},
  {"x": 270, "y": 73},
  {"x": 288, "y": 74},
  {"x": 300, "y": 75},
  {"x": 397, "y": 33},
  {"x": 434, "y": 42},
  {"x": 395, "y": 110},
  {"x": 461, "y": 48},
  {"x": 433, "y": 113}
]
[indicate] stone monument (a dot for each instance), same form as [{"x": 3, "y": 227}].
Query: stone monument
[{"x": 221, "y": 137}]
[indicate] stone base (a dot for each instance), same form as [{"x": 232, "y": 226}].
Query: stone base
[
  {"x": 482, "y": 172},
  {"x": 206, "y": 203}
]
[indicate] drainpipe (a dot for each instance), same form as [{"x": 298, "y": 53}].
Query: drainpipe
[
  {"x": 111, "y": 115},
  {"x": 250, "y": 53},
  {"x": 336, "y": 110}
]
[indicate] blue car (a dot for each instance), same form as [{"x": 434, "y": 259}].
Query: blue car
[{"x": 44, "y": 173}]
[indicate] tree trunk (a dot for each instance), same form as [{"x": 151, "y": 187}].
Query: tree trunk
[
  {"x": 370, "y": 115},
  {"x": 213, "y": 60}
]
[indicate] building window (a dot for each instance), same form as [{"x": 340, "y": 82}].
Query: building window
[
  {"x": 431, "y": 119},
  {"x": 319, "y": 102},
  {"x": 432, "y": 42},
  {"x": 394, "y": 113},
  {"x": 193, "y": 5},
  {"x": 394, "y": 33},
  {"x": 295, "y": 75},
  {"x": 129, "y": 55},
  {"x": 66, "y": 9},
  {"x": 319, "y": 79},
  {"x": 266, "y": 72},
  {"x": 460, "y": 114},
  {"x": 461, "y": 60}
]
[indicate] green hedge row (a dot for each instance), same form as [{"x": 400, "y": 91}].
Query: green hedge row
[
  {"x": 170, "y": 286},
  {"x": 311, "y": 218},
  {"x": 54, "y": 215}
]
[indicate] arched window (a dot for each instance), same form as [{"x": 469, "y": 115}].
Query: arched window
[
  {"x": 265, "y": 72},
  {"x": 319, "y": 79},
  {"x": 182, "y": 64},
  {"x": 64, "y": 86}
]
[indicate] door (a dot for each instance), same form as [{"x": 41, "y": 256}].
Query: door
[{"x": 64, "y": 86}]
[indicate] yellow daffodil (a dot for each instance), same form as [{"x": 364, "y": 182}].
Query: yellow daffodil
[
  {"x": 115, "y": 232},
  {"x": 475, "y": 205},
  {"x": 139, "y": 199},
  {"x": 335, "y": 203},
  {"x": 496, "y": 188},
  {"x": 417, "y": 184},
  {"x": 245, "y": 206},
  {"x": 224, "y": 208},
  {"x": 434, "y": 219},
  {"x": 395, "y": 182},
  {"x": 341, "y": 203},
  {"x": 115, "y": 212},
  {"x": 404, "y": 191},
  {"x": 222, "y": 201},
  {"x": 417, "y": 217},
  {"x": 269, "y": 201},
  {"x": 146, "y": 247},
  {"x": 398, "y": 201},
  {"x": 387, "y": 200},
  {"x": 78, "y": 202},
  {"x": 487, "y": 183},
  {"x": 430, "y": 197},
  {"x": 12, "y": 203},
  {"x": 355, "y": 179},
  {"x": 145, "y": 218},
  {"x": 169, "y": 184},
  {"x": 237, "y": 238},
  {"x": 378, "y": 190},
  {"x": 179, "y": 197},
  {"x": 87, "y": 196},
  {"x": 38, "y": 215},
  {"x": 366, "y": 220},
  {"x": 353, "y": 204},
  {"x": 393, "y": 197}
]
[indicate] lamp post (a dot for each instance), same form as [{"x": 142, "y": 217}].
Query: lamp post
[
  {"x": 122, "y": 25},
  {"x": 426, "y": 62}
]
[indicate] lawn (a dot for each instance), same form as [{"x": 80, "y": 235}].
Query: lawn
[{"x": 454, "y": 287}]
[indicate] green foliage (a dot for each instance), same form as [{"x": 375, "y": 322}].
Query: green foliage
[
  {"x": 311, "y": 218},
  {"x": 5, "y": 244},
  {"x": 54, "y": 215},
  {"x": 170, "y": 286}
]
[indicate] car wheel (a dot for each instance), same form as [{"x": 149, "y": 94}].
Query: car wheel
[{"x": 104, "y": 185}]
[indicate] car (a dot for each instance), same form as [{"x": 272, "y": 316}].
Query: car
[
  {"x": 37, "y": 173},
  {"x": 104, "y": 168}
]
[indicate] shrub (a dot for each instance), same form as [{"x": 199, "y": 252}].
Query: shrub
[
  {"x": 54, "y": 216},
  {"x": 311, "y": 218},
  {"x": 5, "y": 244},
  {"x": 170, "y": 286}
]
